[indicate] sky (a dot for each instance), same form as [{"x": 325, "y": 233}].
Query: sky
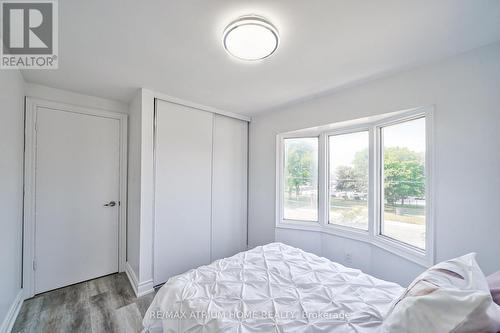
[
  {"x": 410, "y": 134},
  {"x": 343, "y": 148}
]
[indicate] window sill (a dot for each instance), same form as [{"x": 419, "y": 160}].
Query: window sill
[
  {"x": 420, "y": 257},
  {"x": 405, "y": 251},
  {"x": 300, "y": 225}
]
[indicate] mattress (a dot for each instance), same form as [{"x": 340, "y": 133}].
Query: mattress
[{"x": 271, "y": 288}]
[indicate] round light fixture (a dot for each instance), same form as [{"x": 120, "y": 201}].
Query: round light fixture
[{"x": 250, "y": 38}]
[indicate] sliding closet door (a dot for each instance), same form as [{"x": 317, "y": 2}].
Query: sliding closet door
[
  {"x": 183, "y": 155},
  {"x": 229, "y": 191}
]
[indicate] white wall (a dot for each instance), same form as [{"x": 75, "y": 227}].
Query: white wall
[
  {"x": 466, "y": 95},
  {"x": 11, "y": 186},
  {"x": 147, "y": 189},
  {"x": 134, "y": 183},
  {"x": 140, "y": 187},
  {"x": 140, "y": 191}
]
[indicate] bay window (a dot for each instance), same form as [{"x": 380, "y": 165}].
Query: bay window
[{"x": 368, "y": 179}]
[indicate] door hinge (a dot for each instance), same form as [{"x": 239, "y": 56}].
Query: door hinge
[{"x": 34, "y": 265}]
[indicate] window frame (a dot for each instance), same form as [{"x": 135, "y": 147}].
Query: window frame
[
  {"x": 374, "y": 234},
  {"x": 344, "y": 131},
  {"x": 280, "y": 181}
]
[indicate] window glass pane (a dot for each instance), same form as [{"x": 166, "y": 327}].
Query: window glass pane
[
  {"x": 403, "y": 215},
  {"x": 301, "y": 179},
  {"x": 348, "y": 174}
]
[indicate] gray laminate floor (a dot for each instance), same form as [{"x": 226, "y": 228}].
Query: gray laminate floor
[{"x": 106, "y": 304}]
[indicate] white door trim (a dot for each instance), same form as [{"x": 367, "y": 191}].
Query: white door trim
[{"x": 29, "y": 183}]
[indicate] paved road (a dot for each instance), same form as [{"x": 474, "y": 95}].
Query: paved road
[{"x": 410, "y": 233}]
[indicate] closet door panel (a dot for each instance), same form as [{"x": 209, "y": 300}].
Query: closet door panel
[
  {"x": 183, "y": 173},
  {"x": 229, "y": 189}
]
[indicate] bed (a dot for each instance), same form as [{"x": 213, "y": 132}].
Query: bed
[{"x": 271, "y": 288}]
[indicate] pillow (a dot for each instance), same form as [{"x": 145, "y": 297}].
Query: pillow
[
  {"x": 452, "y": 296},
  {"x": 494, "y": 284}
]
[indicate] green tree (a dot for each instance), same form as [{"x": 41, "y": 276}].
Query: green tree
[
  {"x": 360, "y": 169},
  {"x": 403, "y": 171},
  {"x": 346, "y": 179},
  {"x": 354, "y": 178},
  {"x": 299, "y": 166},
  {"x": 403, "y": 174}
]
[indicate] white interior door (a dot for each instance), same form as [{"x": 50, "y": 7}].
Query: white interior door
[
  {"x": 183, "y": 174},
  {"x": 77, "y": 173}
]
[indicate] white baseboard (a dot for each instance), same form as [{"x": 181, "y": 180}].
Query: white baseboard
[
  {"x": 11, "y": 316},
  {"x": 140, "y": 288}
]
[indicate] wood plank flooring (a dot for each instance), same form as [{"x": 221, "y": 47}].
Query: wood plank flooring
[{"x": 106, "y": 304}]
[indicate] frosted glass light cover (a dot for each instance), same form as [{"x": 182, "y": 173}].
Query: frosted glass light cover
[{"x": 250, "y": 38}]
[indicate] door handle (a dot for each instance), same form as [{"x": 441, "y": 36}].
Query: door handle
[{"x": 110, "y": 204}]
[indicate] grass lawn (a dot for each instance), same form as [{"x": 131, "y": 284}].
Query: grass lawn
[
  {"x": 400, "y": 213},
  {"x": 405, "y": 213}
]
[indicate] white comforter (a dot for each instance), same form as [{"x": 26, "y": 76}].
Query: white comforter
[{"x": 271, "y": 288}]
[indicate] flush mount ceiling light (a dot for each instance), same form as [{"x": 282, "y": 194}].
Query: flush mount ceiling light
[{"x": 250, "y": 38}]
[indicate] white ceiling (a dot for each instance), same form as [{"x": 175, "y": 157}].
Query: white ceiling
[{"x": 110, "y": 48}]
